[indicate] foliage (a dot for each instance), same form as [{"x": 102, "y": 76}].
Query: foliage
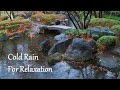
[
  {"x": 14, "y": 25},
  {"x": 112, "y": 17},
  {"x": 3, "y": 18},
  {"x": 95, "y": 36},
  {"x": 103, "y": 22},
  {"x": 106, "y": 42},
  {"x": 75, "y": 32},
  {"x": 47, "y": 18},
  {"x": 116, "y": 29}
]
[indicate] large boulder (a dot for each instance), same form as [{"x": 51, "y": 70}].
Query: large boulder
[
  {"x": 81, "y": 49},
  {"x": 109, "y": 62},
  {"x": 63, "y": 71},
  {"x": 60, "y": 46},
  {"x": 99, "y": 32},
  {"x": 45, "y": 46}
]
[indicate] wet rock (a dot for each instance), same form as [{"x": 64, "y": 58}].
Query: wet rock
[
  {"x": 45, "y": 46},
  {"x": 3, "y": 37},
  {"x": 63, "y": 71},
  {"x": 57, "y": 22},
  {"x": 109, "y": 62},
  {"x": 109, "y": 75},
  {"x": 54, "y": 58},
  {"x": 116, "y": 50},
  {"x": 60, "y": 46},
  {"x": 42, "y": 28},
  {"x": 60, "y": 37},
  {"x": 101, "y": 32},
  {"x": 81, "y": 50},
  {"x": 15, "y": 36},
  {"x": 60, "y": 28}
]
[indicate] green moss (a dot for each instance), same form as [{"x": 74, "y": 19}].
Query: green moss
[
  {"x": 75, "y": 32},
  {"x": 116, "y": 29},
  {"x": 103, "y": 22},
  {"x": 95, "y": 36},
  {"x": 107, "y": 41}
]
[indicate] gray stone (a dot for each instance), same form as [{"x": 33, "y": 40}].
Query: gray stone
[
  {"x": 63, "y": 71},
  {"x": 42, "y": 28},
  {"x": 101, "y": 32},
  {"x": 60, "y": 37},
  {"x": 81, "y": 49},
  {"x": 60, "y": 28},
  {"x": 117, "y": 50},
  {"x": 54, "y": 58},
  {"x": 60, "y": 46},
  {"x": 109, "y": 62},
  {"x": 45, "y": 46}
]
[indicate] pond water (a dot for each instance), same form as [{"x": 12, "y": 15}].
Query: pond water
[{"x": 22, "y": 45}]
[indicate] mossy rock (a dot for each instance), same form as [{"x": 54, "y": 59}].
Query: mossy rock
[{"x": 54, "y": 58}]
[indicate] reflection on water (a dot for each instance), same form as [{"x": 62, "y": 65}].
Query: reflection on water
[{"x": 22, "y": 45}]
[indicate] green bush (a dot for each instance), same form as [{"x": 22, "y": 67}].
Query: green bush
[
  {"x": 112, "y": 17},
  {"x": 107, "y": 41},
  {"x": 103, "y": 22},
  {"x": 75, "y": 32},
  {"x": 116, "y": 29},
  {"x": 95, "y": 36}
]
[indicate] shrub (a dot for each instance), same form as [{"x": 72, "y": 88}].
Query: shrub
[
  {"x": 112, "y": 17},
  {"x": 103, "y": 22},
  {"x": 48, "y": 18},
  {"x": 106, "y": 42},
  {"x": 75, "y": 32},
  {"x": 95, "y": 36},
  {"x": 116, "y": 29}
]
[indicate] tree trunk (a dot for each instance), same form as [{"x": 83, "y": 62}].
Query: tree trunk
[
  {"x": 71, "y": 19},
  {"x": 95, "y": 14},
  {"x": 79, "y": 19},
  {"x": 76, "y": 20},
  {"x": 9, "y": 15}
]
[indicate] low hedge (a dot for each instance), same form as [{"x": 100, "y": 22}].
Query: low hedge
[
  {"x": 106, "y": 41},
  {"x": 103, "y": 22}
]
